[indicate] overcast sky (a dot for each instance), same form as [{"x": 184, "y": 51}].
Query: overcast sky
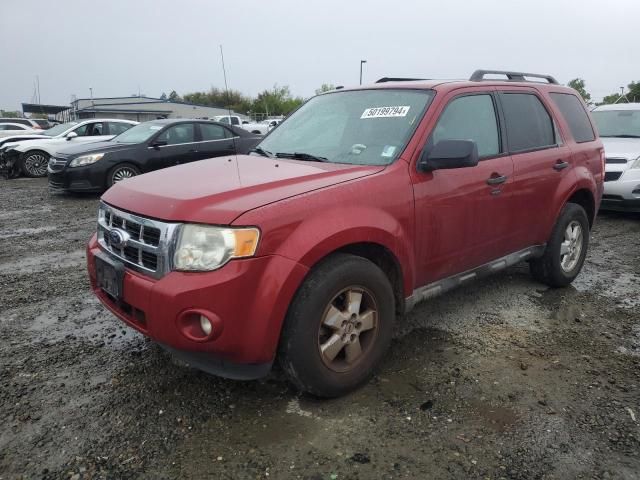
[{"x": 119, "y": 46}]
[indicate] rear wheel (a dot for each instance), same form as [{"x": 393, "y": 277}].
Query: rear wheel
[
  {"x": 566, "y": 250},
  {"x": 338, "y": 327},
  {"x": 121, "y": 172},
  {"x": 34, "y": 164}
]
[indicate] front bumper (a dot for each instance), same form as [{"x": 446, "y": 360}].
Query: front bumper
[
  {"x": 249, "y": 297},
  {"x": 90, "y": 178},
  {"x": 623, "y": 194}
]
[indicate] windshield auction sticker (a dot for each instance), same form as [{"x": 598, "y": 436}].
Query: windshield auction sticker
[{"x": 385, "y": 112}]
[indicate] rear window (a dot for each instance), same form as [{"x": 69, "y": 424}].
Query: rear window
[
  {"x": 575, "y": 115},
  {"x": 529, "y": 125}
]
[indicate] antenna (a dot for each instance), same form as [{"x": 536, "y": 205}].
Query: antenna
[{"x": 226, "y": 87}]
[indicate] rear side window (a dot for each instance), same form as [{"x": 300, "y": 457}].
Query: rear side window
[
  {"x": 211, "y": 131},
  {"x": 471, "y": 117},
  {"x": 529, "y": 125},
  {"x": 116, "y": 128},
  {"x": 573, "y": 112}
]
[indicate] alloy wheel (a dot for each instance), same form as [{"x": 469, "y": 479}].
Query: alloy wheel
[
  {"x": 122, "y": 173},
  {"x": 36, "y": 164},
  {"x": 348, "y": 329},
  {"x": 571, "y": 246}
]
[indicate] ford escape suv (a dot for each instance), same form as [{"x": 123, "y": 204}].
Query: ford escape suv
[{"x": 362, "y": 203}]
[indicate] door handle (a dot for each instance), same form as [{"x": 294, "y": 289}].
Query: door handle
[
  {"x": 560, "y": 165},
  {"x": 496, "y": 180},
  {"x": 193, "y": 150}
]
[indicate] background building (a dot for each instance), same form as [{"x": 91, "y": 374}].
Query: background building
[{"x": 142, "y": 109}]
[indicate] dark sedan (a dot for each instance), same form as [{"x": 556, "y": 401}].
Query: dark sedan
[{"x": 146, "y": 147}]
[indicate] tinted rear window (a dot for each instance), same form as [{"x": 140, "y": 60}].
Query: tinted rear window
[
  {"x": 529, "y": 125},
  {"x": 573, "y": 112}
]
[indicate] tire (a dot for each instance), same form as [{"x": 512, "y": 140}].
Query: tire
[
  {"x": 563, "y": 258},
  {"x": 34, "y": 164},
  {"x": 324, "y": 299},
  {"x": 121, "y": 172}
]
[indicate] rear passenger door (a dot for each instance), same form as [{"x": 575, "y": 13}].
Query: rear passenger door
[
  {"x": 541, "y": 161},
  {"x": 215, "y": 141}
]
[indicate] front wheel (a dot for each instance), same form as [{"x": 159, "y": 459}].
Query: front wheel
[
  {"x": 338, "y": 327},
  {"x": 121, "y": 172},
  {"x": 34, "y": 164},
  {"x": 566, "y": 250}
]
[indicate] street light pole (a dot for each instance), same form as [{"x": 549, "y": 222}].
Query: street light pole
[{"x": 361, "y": 62}]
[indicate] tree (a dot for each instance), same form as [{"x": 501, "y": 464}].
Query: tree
[
  {"x": 634, "y": 92},
  {"x": 174, "y": 97},
  {"x": 277, "y": 101},
  {"x": 613, "y": 98},
  {"x": 578, "y": 84},
  {"x": 163, "y": 96},
  {"x": 325, "y": 87},
  {"x": 8, "y": 114}
]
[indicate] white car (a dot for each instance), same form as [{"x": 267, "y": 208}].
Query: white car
[
  {"x": 259, "y": 128},
  {"x": 34, "y": 154},
  {"x": 619, "y": 127},
  {"x": 8, "y": 129}
]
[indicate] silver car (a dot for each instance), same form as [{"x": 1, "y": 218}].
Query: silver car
[{"x": 619, "y": 127}]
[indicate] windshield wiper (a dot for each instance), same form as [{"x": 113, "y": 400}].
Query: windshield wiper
[
  {"x": 302, "y": 156},
  {"x": 262, "y": 151},
  {"x": 621, "y": 136}
]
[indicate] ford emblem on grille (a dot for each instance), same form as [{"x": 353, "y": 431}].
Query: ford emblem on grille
[{"x": 118, "y": 238}]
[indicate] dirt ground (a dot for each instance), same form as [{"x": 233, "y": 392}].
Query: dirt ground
[{"x": 503, "y": 378}]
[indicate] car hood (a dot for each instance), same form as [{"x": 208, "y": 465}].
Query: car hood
[
  {"x": 628, "y": 148},
  {"x": 218, "y": 190},
  {"x": 93, "y": 147}
]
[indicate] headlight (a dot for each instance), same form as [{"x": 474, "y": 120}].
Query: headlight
[
  {"x": 86, "y": 159},
  {"x": 636, "y": 163},
  {"x": 202, "y": 248}
]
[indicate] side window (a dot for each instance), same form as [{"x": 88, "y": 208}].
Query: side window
[
  {"x": 235, "y": 121},
  {"x": 96, "y": 129},
  {"x": 82, "y": 130},
  {"x": 575, "y": 115},
  {"x": 210, "y": 131},
  {"x": 116, "y": 128},
  {"x": 529, "y": 125},
  {"x": 471, "y": 117},
  {"x": 181, "y": 133}
]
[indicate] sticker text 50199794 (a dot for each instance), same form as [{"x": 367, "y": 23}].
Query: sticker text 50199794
[{"x": 384, "y": 112}]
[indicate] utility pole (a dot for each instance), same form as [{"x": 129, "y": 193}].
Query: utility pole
[
  {"x": 38, "y": 84},
  {"x": 361, "y": 63}
]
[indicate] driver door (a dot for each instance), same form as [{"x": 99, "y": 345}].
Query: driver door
[{"x": 462, "y": 215}]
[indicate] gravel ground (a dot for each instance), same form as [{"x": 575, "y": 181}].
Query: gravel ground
[{"x": 503, "y": 378}]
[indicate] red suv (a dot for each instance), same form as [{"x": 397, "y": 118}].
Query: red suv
[{"x": 360, "y": 204}]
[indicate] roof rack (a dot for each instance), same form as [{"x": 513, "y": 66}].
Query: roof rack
[
  {"x": 398, "y": 79},
  {"x": 478, "y": 76}
]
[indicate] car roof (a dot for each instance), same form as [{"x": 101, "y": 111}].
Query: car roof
[{"x": 618, "y": 106}]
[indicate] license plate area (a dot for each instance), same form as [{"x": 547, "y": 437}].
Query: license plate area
[{"x": 109, "y": 276}]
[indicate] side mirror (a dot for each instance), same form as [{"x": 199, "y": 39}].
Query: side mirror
[
  {"x": 158, "y": 143},
  {"x": 449, "y": 154},
  {"x": 71, "y": 135},
  {"x": 244, "y": 122}
]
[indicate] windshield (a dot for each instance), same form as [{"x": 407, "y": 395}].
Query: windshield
[
  {"x": 138, "y": 134},
  {"x": 58, "y": 129},
  {"x": 618, "y": 123},
  {"x": 362, "y": 127}
]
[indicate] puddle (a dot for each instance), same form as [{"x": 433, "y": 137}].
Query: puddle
[
  {"x": 620, "y": 286},
  {"x": 23, "y": 232},
  {"x": 84, "y": 319},
  {"x": 45, "y": 261}
]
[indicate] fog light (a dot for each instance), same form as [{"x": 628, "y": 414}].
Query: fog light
[{"x": 205, "y": 325}]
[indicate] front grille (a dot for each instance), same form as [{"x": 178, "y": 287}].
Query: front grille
[
  {"x": 147, "y": 245},
  {"x": 618, "y": 161},
  {"x": 57, "y": 164},
  {"x": 611, "y": 176}
]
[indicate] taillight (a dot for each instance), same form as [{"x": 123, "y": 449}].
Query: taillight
[{"x": 603, "y": 160}]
